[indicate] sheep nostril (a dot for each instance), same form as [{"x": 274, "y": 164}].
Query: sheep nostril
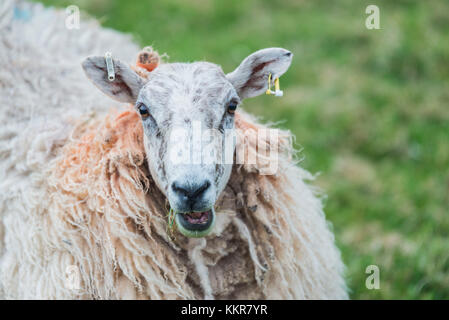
[
  {"x": 202, "y": 188},
  {"x": 178, "y": 189},
  {"x": 191, "y": 191}
]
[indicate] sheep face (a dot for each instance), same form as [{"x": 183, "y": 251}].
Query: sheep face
[{"x": 187, "y": 112}]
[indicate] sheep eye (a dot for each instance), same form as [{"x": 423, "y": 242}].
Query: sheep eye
[
  {"x": 232, "y": 107},
  {"x": 143, "y": 110}
]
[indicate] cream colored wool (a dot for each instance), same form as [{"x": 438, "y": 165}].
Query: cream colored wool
[{"x": 75, "y": 191}]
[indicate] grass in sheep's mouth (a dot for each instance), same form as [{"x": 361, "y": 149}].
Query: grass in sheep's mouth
[{"x": 191, "y": 224}]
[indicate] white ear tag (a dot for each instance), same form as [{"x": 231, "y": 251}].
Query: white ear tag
[
  {"x": 277, "y": 91},
  {"x": 109, "y": 66}
]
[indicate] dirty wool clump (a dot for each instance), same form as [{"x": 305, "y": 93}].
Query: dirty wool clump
[{"x": 81, "y": 217}]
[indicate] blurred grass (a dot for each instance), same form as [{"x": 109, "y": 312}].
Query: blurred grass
[{"x": 368, "y": 107}]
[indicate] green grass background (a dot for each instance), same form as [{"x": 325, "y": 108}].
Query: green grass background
[{"x": 369, "y": 109}]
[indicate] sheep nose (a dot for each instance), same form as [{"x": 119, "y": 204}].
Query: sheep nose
[{"x": 190, "y": 191}]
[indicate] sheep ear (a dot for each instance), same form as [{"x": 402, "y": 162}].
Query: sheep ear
[
  {"x": 126, "y": 85},
  {"x": 250, "y": 79}
]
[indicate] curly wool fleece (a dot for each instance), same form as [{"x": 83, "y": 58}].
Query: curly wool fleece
[{"x": 76, "y": 194}]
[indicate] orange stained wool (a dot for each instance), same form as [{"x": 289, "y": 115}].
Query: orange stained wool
[
  {"x": 148, "y": 59},
  {"x": 116, "y": 141}
]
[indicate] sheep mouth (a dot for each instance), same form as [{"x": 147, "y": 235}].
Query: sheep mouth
[{"x": 195, "y": 224}]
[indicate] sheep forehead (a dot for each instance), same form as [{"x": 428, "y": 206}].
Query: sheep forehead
[{"x": 188, "y": 91}]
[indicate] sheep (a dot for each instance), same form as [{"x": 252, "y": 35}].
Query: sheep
[{"x": 86, "y": 184}]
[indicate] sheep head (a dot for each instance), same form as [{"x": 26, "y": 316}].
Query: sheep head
[{"x": 187, "y": 113}]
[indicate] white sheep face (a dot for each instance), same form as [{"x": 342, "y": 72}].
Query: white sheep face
[{"x": 188, "y": 121}]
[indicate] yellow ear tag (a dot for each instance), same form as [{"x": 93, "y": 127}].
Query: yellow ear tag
[
  {"x": 269, "y": 84},
  {"x": 277, "y": 90}
]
